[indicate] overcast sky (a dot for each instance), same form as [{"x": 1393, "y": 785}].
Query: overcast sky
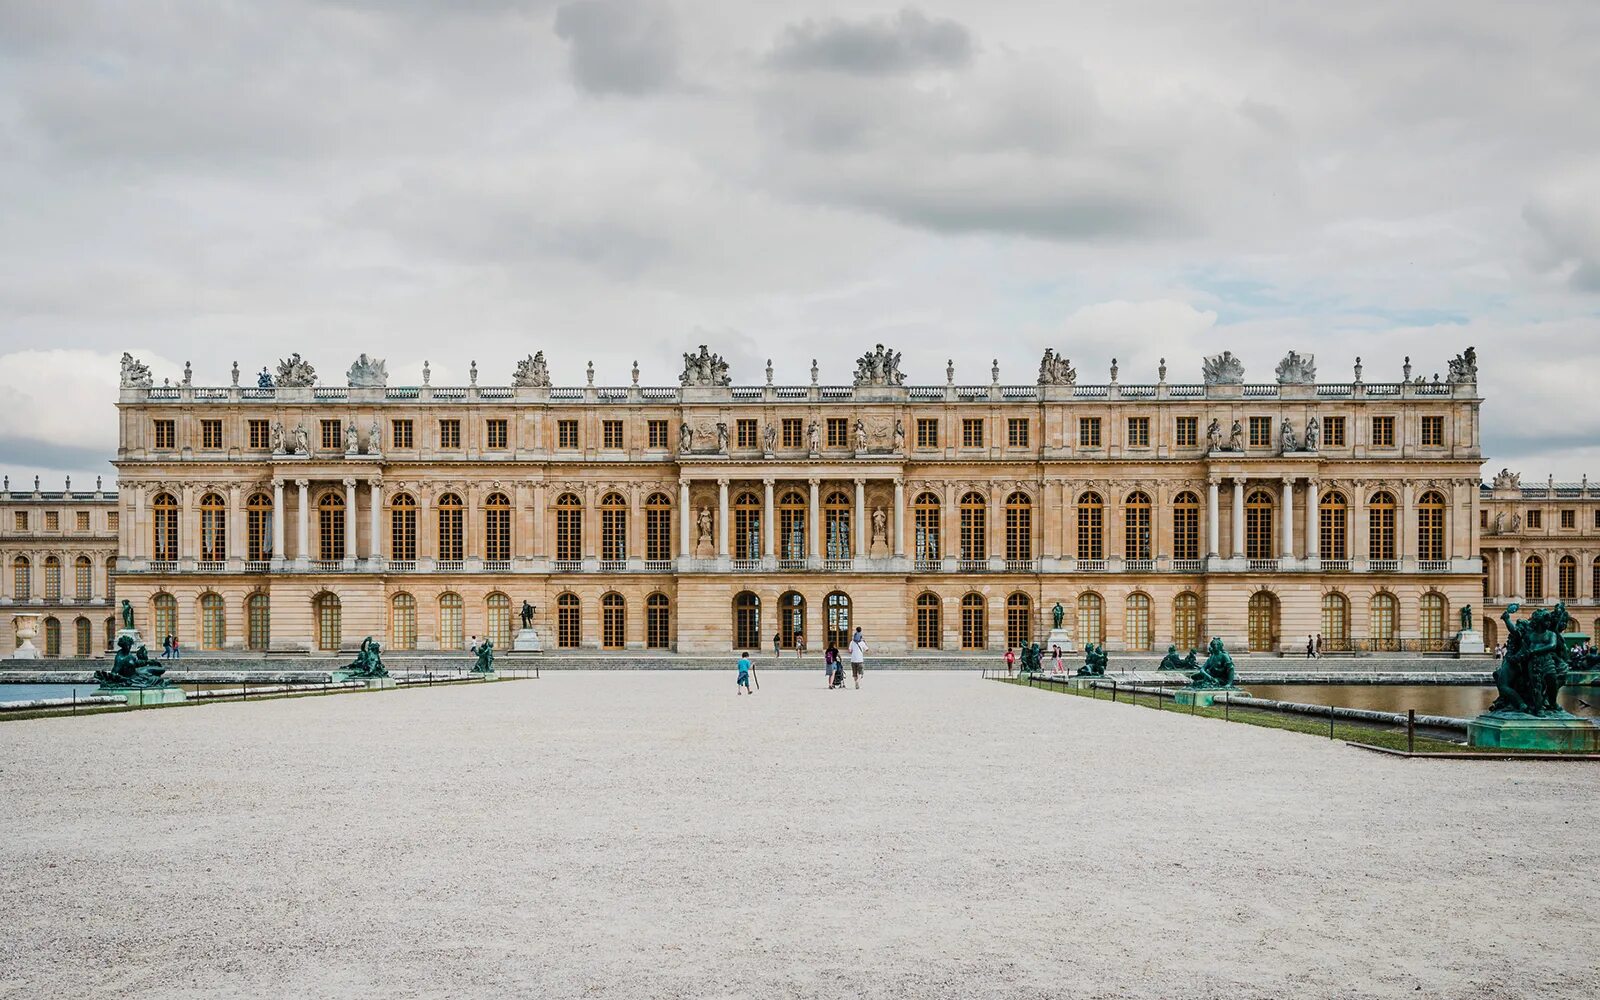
[{"x": 613, "y": 180}]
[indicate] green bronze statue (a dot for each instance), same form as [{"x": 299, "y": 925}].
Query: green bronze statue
[
  {"x": 1032, "y": 658},
  {"x": 368, "y": 661},
  {"x": 1217, "y": 671},
  {"x": 1094, "y": 661},
  {"x": 1466, "y": 618},
  {"x": 1535, "y": 666},
  {"x": 132, "y": 668},
  {"x": 1058, "y": 614},
  {"x": 127, "y": 614},
  {"x": 485, "y": 664}
]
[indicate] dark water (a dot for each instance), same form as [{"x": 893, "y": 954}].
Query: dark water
[
  {"x": 1462, "y": 701},
  {"x": 37, "y": 692}
]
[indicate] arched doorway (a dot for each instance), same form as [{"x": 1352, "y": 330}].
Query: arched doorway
[
  {"x": 747, "y": 620},
  {"x": 838, "y": 619},
  {"x": 791, "y": 618},
  {"x": 1262, "y": 622}
]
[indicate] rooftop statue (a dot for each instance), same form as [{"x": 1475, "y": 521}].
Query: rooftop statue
[
  {"x": 132, "y": 668},
  {"x": 135, "y": 373},
  {"x": 879, "y": 367},
  {"x": 368, "y": 661},
  {"x": 1535, "y": 664},
  {"x": 1505, "y": 479},
  {"x": 1172, "y": 661},
  {"x": 1223, "y": 369},
  {"x": 295, "y": 372},
  {"x": 1217, "y": 671},
  {"x": 1464, "y": 367},
  {"x": 705, "y": 369},
  {"x": 1055, "y": 369},
  {"x": 1094, "y": 661},
  {"x": 485, "y": 661},
  {"x": 368, "y": 373},
  {"x": 532, "y": 372},
  {"x": 1297, "y": 369}
]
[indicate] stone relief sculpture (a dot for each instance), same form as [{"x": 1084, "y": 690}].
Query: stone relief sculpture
[
  {"x": 880, "y": 526},
  {"x": 352, "y": 439},
  {"x": 705, "y": 369},
  {"x": 1236, "y": 437},
  {"x": 135, "y": 374},
  {"x": 1516, "y": 522},
  {"x": 375, "y": 438},
  {"x": 1313, "y": 434},
  {"x": 1286, "y": 437},
  {"x": 367, "y": 373},
  {"x": 879, "y": 367},
  {"x": 1464, "y": 367},
  {"x": 1505, "y": 479},
  {"x": 722, "y": 438},
  {"x": 685, "y": 437},
  {"x": 899, "y": 435},
  {"x": 769, "y": 438},
  {"x": 704, "y": 523},
  {"x": 295, "y": 372},
  {"x": 277, "y": 437},
  {"x": 1214, "y": 435},
  {"x": 1297, "y": 369},
  {"x": 861, "y": 435},
  {"x": 531, "y": 372},
  {"x": 1499, "y": 523},
  {"x": 1223, "y": 369},
  {"x": 302, "y": 441},
  {"x": 1055, "y": 369},
  {"x": 814, "y": 437}
]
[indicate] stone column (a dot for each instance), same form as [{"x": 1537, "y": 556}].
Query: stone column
[
  {"x": 685, "y": 542},
  {"x": 722, "y": 518},
  {"x": 137, "y": 535},
  {"x": 899, "y": 518},
  {"x": 352, "y": 534},
  {"x": 188, "y": 537},
  {"x": 1313, "y": 528},
  {"x": 278, "y": 529},
  {"x": 1286, "y": 546},
  {"x": 1212, "y": 503},
  {"x": 1406, "y": 529},
  {"x": 303, "y": 522},
  {"x": 814, "y": 515},
  {"x": 769, "y": 523},
  {"x": 858, "y": 547},
  {"x": 235, "y": 525},
  {"x": 1238, "y": 517},
  {"x": 375, "y": 522}
]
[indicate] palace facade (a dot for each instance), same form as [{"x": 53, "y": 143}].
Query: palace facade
[
  {"x": 58, "y": 550},
  {"x": 708, "y": 517},
  {"x": 1541, "y": 544}
]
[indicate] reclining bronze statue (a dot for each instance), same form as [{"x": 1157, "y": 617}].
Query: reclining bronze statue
[
  {"x": 1217, "y": 671},
  {"x": 368, "y": 661},
  {"x": 132, "y": 668}
]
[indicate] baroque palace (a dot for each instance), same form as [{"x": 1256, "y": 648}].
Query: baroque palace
[{"x": 295, "y": 517}]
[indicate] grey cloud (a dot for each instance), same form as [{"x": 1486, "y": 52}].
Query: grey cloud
[
  {"x": 1566, "y": 225},
  {"x": 25, "y": 453},
  {"x": 619, "y": 46},
  {"x": 908, "y": 41}
]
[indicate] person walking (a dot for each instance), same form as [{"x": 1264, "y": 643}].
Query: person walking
[
  {"x": 829, "y": 657},
  {"x": 177, "y": 652},
  {"x": 800, "y": 645},
  {"x": 166, "y": 647},
  {"x": 777, "y": 645},
  {"x": 1311, "y": 648},
  {"x": 1319, "y": 645},
  {"x": 1011, "y": 660},
  {"x": 744, "y": 674},
  {"x": 858, "y": 657},
  {"x": 838, "y": 668},
  {"x": 1056, "y": 652}
]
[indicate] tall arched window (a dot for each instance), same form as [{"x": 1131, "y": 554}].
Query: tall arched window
[
  {"x": 1186, "y": 526},
  {"x": 497, "y": 529},
  {"x": 111, "y": 625},
  {"x": 1380, "y": 526},
  {"x": 403, "y": 528},
  {"x": 929, "y": 629},
  {"x": 1385, "y": 612},
  {"x": 1019, "y": 619},
  {"x": 657, "y": 622},
  {"x": 52, "y": 636},
  {"x": 974, "y": 622},
  {"x": 569, "y": 621},
  {"x": 658, "y": 530},
  {"x": 836, "y": 525},
  {"x": 497, "y": 616},
  {"x": 1091, "y": 527},
  {"x": 613, "y": 621},
  {"x": 1091, "y": 619},
  {"x": 452, "y": 517},
  {"x": 1186, "y": 620},
  {"x": 83, "y": 636},
  {"x": 925, "y": 526},
  {"x": 1430, "y": 526},
  {"x": 1594, "y": 581},
  {"x": 52, "y": 579},
  {"x": 258, "y": 622},
  {"x": 1533, "y": 579},
  {"x": 111, "y": 578},
  {"x": 403, "y": 622},
  {"x": 213, "y": 622},
  {"x": 1262, "y": 621},
  {"x": 330, "y": 626},
  {"x": 791, "y": 527},
  {"x": 613, "y": 528},
  {"x": 165, "y": 524},
  {"x": 838, "y": 619},
  {"x": 1335, "y": 622},
  {"x": 1137, "y": 630},
  {"x": 1567, "y": 578},
  {"x": 83, "y": 579},
  {"x": 1136, "y": 526},
  {"x": 569, "y": 528},
  {"x": 452, "y": 621},
  {"x": 746, "y": 526},
  {"x": 1430, "y": 620},
  {"x": 974, "y": 527},
  {"x": 1019, "y": 527},
  {"x": 1332, "y": 527},
  {"x": 258, "y": 527},
  {"x": 21, "y": 578},
  {"x": 1258, "y": 525},
  {"x": 791, "y": 618},
  {"x": 747, "y": 620},
  {"x": 165, "y": 613},
  {"x": 213, "y": 528},
  {"x": 330, "y": 527}
]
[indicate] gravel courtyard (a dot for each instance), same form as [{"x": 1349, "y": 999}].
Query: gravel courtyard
[{"x": 650, "y": 834}]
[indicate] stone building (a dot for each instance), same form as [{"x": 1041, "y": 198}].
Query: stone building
[
  {"x": 58, "y": 561},
  {"x": 1541, "y": 544}
]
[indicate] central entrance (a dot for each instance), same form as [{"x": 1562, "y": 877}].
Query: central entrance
[
  {"x": 838, "y": 619},
  {"x": 791, "y": 619}
]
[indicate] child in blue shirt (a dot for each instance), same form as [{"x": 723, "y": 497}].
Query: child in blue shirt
[{"x": 744, "y": 674}]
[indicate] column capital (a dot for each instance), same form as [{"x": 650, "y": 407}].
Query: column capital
[
  {"x": 1289, "y": 480},
  {"x": 1238, "y": 480},
  {"x": 302, "y": 483},
  {"x": 722, "y": 482},
  {"x": 861, "y": 480},
  {"x": 349, "y": 482},
  {"x": 1213, "y": 480},
  {"x": 684, "y": 482},
  {"x": 376, "y": 482},
  {"x": 815, "y": 481},
  {"x": 768, "y": 481},
  {"x": 899, "y": 482}
]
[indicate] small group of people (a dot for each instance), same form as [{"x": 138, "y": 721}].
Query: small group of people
[
  {"x": 1056, "y": 655},
  {"x": 777, "y": 644},
  {"x": 170, "y": 649},
  {"x": 1314, "y": 646},
  {"x": 832, "y": 662}
]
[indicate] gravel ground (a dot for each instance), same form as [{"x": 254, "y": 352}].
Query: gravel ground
[{"x": 653, "y": 835}]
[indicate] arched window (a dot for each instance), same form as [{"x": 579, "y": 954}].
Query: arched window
[
  {"x": 925, "y": 525},
  {"x": 657, "y": 622},
  {"x": 1335, "y": 622},
  {"x": 403, "y": 528},
  {"x": 452, "y": 517},
  {"x": 1258, "y": 525},
  {"x": 83, "y": 579},
  {"x": 258, "y": 527},
  {"x": 569, "y": 621},
  {"x": 330, "y": 527},
  {"x": 1137, "y": 629},
  {"x": 213, "y": 622},
  {"x": 974, "y": 527},
  {"x": 452, "y": 621},
  {"x": 658, "y": 530},
  {"x": 747, "y": 620},
  {"x": 1332, "y": 528},
  {"x": 1091, "y": 619},
  {"x": 1186, "y": 526},
  {"x": 1567, "y": 578},
  {"x": 1385, "y": 627},
  {"x": 1019, "y": 619},
  {"x": 836, "y": 525},
  {"x": 1533, "y": 579},
  {"x": 164, "y": 608},
  {"x": 165, "y": 524},
  {"x": 497, "y": 615},
  {"x": 21, "y": 578},
  {"x": 929, "y": 629},
  {"x": 1091, "y": 527},
  {"x": 838, "y": 620},
  {"x": 111, "y": 578},
  {"x": 746, "y": 526},
  {"x": 791, "y": 618},
  {"x": 791, "y": 528},
  {"x": 111, "y": 625},
  {"x": 1136, "y": 526},
  {"x": 403, "y": 622},
  {"x": 613, "y": 621},
  {"x": 497, "y": 531},
  {"x": 213, "y": 528},
  {"x": 1262, "y": 621},
  {"x": 52, "y": 636},
  {"x": 1594, "y": 586},
  {"x": 83, "y": 635},
  {"x": 974, "y": 622},
  {"x": 613, "y": 528},
  {"x": 569, "y": 528},
  {"x": 52, "y": 579},
  {"x": 1430, "y": 620},
  {"x": 1430, "y": 527},
  {"x": 1019, "y": 527},
  {"x": 1380, "y": 526},
  {"x": 330, "y": 626},
  {"x": 258, "y": 622},
  {"x": 1186, "y": 620}
]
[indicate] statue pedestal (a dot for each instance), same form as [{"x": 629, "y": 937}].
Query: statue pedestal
[
  {"x": 486, "y": 675},
  {"x": 378, "y": 683},
  {"x": 1534, "y": 733},
  {"x": 1202, "y": 697},
  {"x": 526, "y": 641},
  {"x": 703, "y": 549},
  {"x": 1077, "y": 683},
  {"x": 146, "y": 697},
  {"x": 1058, "y": 637},
  {"x": 1469, "y": 641}
]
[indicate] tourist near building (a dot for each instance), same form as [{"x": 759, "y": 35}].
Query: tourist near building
[{"x": 58, "y": 562}]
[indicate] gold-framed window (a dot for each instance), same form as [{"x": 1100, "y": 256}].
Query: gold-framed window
[
  {"x": 1136, "y": 523},
  {"x": 1332, "y": 526},
  {"x": 1019, "y": 527},
  {"x": 165, "y": 526},
  {"x": 569, "y": 621},
  {"x": 569, "y": 528},
  {"x": 613, "y": 528},
  {"x": 1261, "y": 622},
  {"x": 496, "y": 434},
  {"x": 403, "y": 528},
  {"x": 657, "y": 430},
  {"x": 792, "y": 432},
  {"x": 658, "y": 527},
  {"x": 974, "y": 622},
  {"x": 613, "y": 621},
  {"x": 1258, "y": 507},
  {"x": 80, "y": 521},
  {"x": 1186, "y": 432},
  {"x": 1186, "y": 525},
  {"x": 1430, "y": 526},
  {"x": 166, "y": 432},
  {"x": 1138, "y": 432},
  {"x": 451, "y": 524},
  {"x": 211, "y": 435},
  {"x": 925, "y": 518},
  {"x": 1091, "y": 618},
  {"x": 497, "y": 527},
  {"x": 611, "y": 434},
  {"x": 450, "y": 433},
  {"x": 836, "y": 522},
  {"x": 838, "y": 432},
  {"x": 657, "y": 621},
  {"x": 402, "y": 435},
  {"x": 213, "y": 622},
  {"x": 260, "y": 434},
  {"x": 1260, "y": 432},
  {"x": 1019, "y": 619},
  {"x": 332, "y": 435},
  {"x": 1091, "y": 527},
  {"x": 330, "y": 527},
  {"x": 403, "y": 622},
  {"x": 746, "y": 526},
  {"x": 1333, "y": 432},
  {"x": 1335, "y": 622},
  {"x": 1017, "y": 432},
  {"x": 1186, "y": 620},
  {"x": 1432, "y": 430},
  {"x": 1383, "y": 432},
  {"x": 929, "y": 630},
  {"x": 83, "y": 578},
  {"x": 972, "y": 432},
  {"x": 567, "y": 434},
  {"x": 1380, "y": 526},
  {"x": 974, "y": 527},
  {"x": 452, "y": 621},
  {"x": 1533, "y": 579},
  {"x": 745, "y": 433},
  {"x": 213, "y": 528},
  {"x": 791, "y": 527},
  {"x": 330, "y": 622},
  {"x": 1088, "y": 432},
  {"x": 497, "y": 620},
  {"x": 1138, "y": 629},
  {"x": 927, "y": 432}
]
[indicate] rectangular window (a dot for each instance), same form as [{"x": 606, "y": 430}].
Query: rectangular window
[
  {"x": 1433, "y": 432},
  {"x": 83, "y": 520},
  {"x": 567, "y": 434},
  {"x": 793, "y": 432},
  {"x": 1333, "y": 432},
  {"x": 496, "y": 435},
  {"x": 1483, "y": 518},
  {"x": 1260, "y": 432},
  {"x": 1188, "y": 432},
  {"x": 1383, "y": 432},
  {"x": 332, "y": 435},
  {"x": 1569, "y": 519},
  {"x": 611, "y": 434},
  {"x": 838, "y": 432},
  {"x": 113, "y": 520},
  {"x": 745, "y": 433},
  {"x": 1017, "y": 432},
  {"x": 1088, "y": 432},
  {"x": 658, "y": 433},
  {"x": 1536, "y": 519},
  {"x": 260, "y": 435},
  {"x": 972, "y": 432},
  {"x": 927, "y": 432},
  {"x": 400, "y": 434},
  {"x": 52, "y": 520},
  {"x": 20, "y": 521},
  {"x": 211, "y": 434},
  {"x": 449, "y": 433},
  {"x": 1138, "y": 432},
  {"x": 166, "y": 434}
]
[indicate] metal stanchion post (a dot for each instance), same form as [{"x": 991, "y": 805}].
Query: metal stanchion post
[{"x": 1411, "y": 730}]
